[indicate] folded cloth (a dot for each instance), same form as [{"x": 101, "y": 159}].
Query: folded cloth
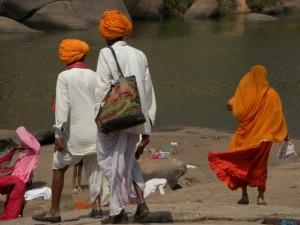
[
  {"x": 286, "y": 149},
  {"x": 44, "y": 192},
  {"x": 153, "y": 184}
]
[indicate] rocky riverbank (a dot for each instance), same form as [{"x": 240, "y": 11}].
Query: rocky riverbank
[
  {"x": 198, "y": 196},
  {"x": 34, "y": 16}
]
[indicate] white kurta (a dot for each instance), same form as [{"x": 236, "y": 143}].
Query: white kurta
[
  {"x": 74, "y": 113},
  {"x": 132, "y": 62},
  {"x": 116, "y": 151}
]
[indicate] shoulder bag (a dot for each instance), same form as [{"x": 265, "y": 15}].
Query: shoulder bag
[{"x": 122, "y": 108}]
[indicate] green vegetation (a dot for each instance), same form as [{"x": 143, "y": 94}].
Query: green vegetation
[
  {"x": 227, "y": 7},
  {"x": 177, "y": 8},
  {"x": 257, "y": 5}
]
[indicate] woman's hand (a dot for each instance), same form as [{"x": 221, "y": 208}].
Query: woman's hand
[
  {"x": 229, "y": 104},
  {"x": 229, "y": 107}
]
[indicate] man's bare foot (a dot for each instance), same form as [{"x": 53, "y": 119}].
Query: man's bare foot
[
  {"x": 244, "y": 200},
  {"x": 261, "y": 201}
]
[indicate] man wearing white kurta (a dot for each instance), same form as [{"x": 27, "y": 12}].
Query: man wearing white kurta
[
  {"x": 75, "y": 129},
  {"x": 116, "y": 150}
]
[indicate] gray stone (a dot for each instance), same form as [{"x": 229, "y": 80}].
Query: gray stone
[
  {"x": 202, "y": 9},
  {"x": 145, "y": 9},
  {"x": 17, "y": 10},
  {"x": 259, "y": 17},
  {"x": 92, "y": 10},
  {"x": 291, "y": 6},
  {"x": 8, "y": 137},
  {"x": 58, "y": 15},
  {"x": 170, "y": 169},
  {"x": 45, "y": 137},
  {"x": 8, "y": 25},
  {"x": 285, "y": 7}
]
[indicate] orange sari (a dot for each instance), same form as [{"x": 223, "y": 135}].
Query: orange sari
[{"x": 258, "y": 109}]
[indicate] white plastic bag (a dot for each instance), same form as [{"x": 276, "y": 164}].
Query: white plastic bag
[{"x": 286, "y": 149}]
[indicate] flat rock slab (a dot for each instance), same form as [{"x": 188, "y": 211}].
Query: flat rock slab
[
  {"x": 186, "y": 213},
  {"x": 259, "y": 17}
]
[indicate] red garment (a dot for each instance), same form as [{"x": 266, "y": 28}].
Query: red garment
[
  {"x": 79, "y": 64},
  {"x": 14, "y": 196},
  {"x": 240, "y": 168},
  {"x": 74, "y": 65},
  {"x": 5, "y": 160}
]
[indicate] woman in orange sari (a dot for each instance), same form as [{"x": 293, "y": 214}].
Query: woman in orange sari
[{"x": 258, "y": 109}]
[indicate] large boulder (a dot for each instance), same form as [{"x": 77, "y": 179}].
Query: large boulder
[
  {"x": 8, "y": 25},
  {"x": 259, "y": 17},
  {"x": 57, "y": 15},
  {"x": 202, "y": 9},
  {"x": 170, "y": 169},
  {"x": 92, "y": 10},
  {"x": 285, "y": 7},
  {"x": 45, "y": 137},
  {"x": 291, "y": 6},
  {"x": 145, "y": 9},
  {"x": 8, "y": 137},
  {"x": 17, "y": 10}
]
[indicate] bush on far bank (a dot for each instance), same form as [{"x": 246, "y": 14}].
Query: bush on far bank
[{"x": 177, "y": 8}]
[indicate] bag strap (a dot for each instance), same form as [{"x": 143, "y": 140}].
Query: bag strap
[{"x": 120, "y": 74}]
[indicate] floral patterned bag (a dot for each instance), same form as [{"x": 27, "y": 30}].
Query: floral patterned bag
[{"x": 122, "y": 108}]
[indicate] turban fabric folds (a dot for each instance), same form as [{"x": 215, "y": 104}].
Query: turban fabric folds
[
  {"x": 72, "y": 50},
  {"x": 114, "y": 25}
]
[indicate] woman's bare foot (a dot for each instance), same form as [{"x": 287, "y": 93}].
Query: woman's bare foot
[
  {"x": 244, "y": 200},
  {"x": 260, "y": 197},
  {"x": 261, "y": 201}
]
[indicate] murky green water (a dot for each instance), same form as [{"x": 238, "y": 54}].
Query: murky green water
[{"x": 195, "y": 67}]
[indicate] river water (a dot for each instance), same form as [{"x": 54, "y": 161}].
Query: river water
[{"x": 195, "y": 67}]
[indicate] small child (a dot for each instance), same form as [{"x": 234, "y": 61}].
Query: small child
[
  {"x": 77, "y": 177},
  {"x": 141, "y": 145}
]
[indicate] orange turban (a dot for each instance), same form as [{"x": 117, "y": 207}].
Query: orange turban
[
  {"x": 72, "y": 50},
  {"x": 114, "y": 25}
]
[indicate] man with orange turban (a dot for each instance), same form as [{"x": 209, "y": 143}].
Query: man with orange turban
[
  {"x": 75, "y": 129},
  {"x": 258, "y": 109},
  {"x": 116, "y": 150}
]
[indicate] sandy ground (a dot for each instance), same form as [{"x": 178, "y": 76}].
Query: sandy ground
[{"x": 199, "y": 184}]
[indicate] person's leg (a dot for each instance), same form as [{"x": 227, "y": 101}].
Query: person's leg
[
  {"x": 57, "y": 187},
  {"x": 60, "y": 164},
  {"x": 133, "y": 177},
  {"x": 94, "y": 177},
  {"x": 79, "y": 170},
  {"x": 75, "y": 168},
  {"x": 110, "y": 152},
  {"x": 244, "y": 199},
  {"x": 142, "y": 210},
  {"x": 260, "y": 197}
]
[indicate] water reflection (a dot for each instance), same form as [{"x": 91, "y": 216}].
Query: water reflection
[{"x": 195, "y": 66}]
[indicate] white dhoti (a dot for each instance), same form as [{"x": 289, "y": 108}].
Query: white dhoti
[
  {"x": 116, "y": 158},
  {"x": 94, "y": 176}
]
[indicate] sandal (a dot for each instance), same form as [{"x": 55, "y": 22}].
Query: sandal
[
  {"x": 42, "y": 217},
  {"x": 142, "y": 212},
  {"x": 121, "y": 218}
]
